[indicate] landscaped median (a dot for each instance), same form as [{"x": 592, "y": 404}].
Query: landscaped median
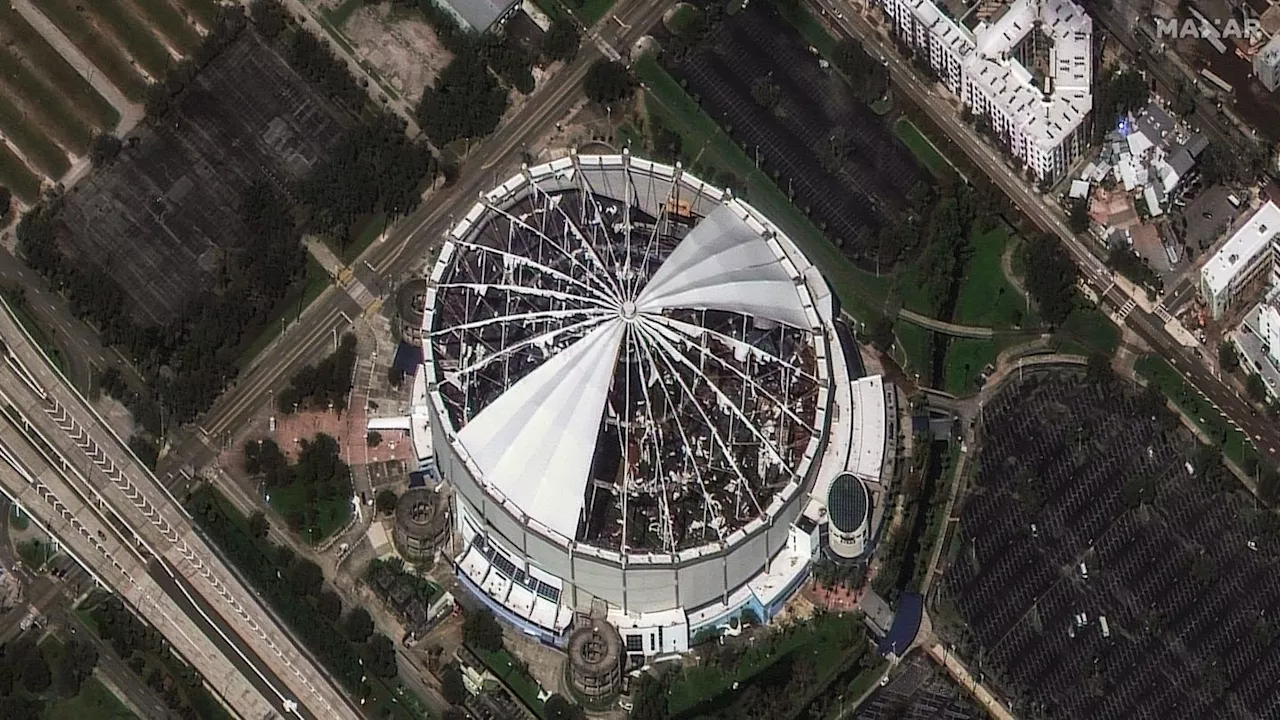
[{"x": 1235, "y": 444}]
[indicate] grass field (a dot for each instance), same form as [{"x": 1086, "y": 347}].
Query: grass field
[
  {"x": 1235, "y": 445},
  {"x": 966, "y": 357},
  {"x": 331, "y": 515},
  {"x": 170, "y": 23},
  {"x": 593, "y": 10},
  {"x": 987, "y": 298},
  {"x": 1087, "y": 331},
  {"x": 923, "y": 150},
  {"x": 16, "y": 176},
  {"x": 860, "y": 292},
  {"x": 24, "y": 132},
  {"x": 104, "y": 56},
  {"x": 204, "y": 11},
  {"x": 916, "y": 346},
  {"x": 46, "y": 108},
  {"x": 143, "y": 46},
  {"x": 22, "y": 312},
  {"x": 95, "y": 702},
  {"x": 501, "y": 665},
  {"x": 825, "y": 638},
  {"x": 18, "y": 520},
  {"x": 25, "y": 42},
  {"x": 363, "y": 234},
  {"x": 290, "y": 308}
]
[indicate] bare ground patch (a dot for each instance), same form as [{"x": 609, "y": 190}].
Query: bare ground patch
[{"x": 403, "y": 47}]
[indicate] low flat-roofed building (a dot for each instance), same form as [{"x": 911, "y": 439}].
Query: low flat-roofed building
[
  {"x": 480, "y": 15},
  {"x": 1241, "y": 260}
]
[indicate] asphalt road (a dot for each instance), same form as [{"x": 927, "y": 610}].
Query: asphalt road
[
  {"x": 1149, "y": 327},
  {"x": 395, "y": 257}
]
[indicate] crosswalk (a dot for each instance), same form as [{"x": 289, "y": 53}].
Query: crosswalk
[
  {"x": 1163, "y": 314},
  {"x": 1126, "y": 308}
]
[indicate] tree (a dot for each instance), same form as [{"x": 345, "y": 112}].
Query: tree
[
  {"x": 1269, "y": 485},
  {"x": 305, "y": 577},
  {"x": 104, "y": 149},
  {"x": 78, "y": 660},
  {"x": 561, "y": 41},
  {"x": 558, "y": 707},
  {"x": 373, "y": 438},
  {"x": 358, "y": 625},
  {"x": 481, "y": 631},
  {"x": 329, "y": 605},
  {"x": 6, "y": 199},
  {"x": 464, "y": 102},
  {"x": 269, "y": 16},
  {"x": 33, "y": 669},
  {"x": 380, "y": 656},
  {"x": 1099, "y": 368},
  {"x": 386, "y": 502},
  {"x": 452, "y": 686},
  {"x": 1050, "y": 277},
  {"x": 749, "y": 617},
  {"x": 259, "y": 526},
  {"x": 1256, "y": 387},
  {"x": 608, "y": 82},
  {"x": 1228, "y": 358},
  {"x": 1079, "y": 217},
  {"x": 687, "y": 23}
]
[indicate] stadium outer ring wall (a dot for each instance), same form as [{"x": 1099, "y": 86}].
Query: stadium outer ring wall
[{"x": 638, "y": 582}]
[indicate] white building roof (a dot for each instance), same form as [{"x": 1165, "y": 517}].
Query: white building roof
[
  {"x": 1046, "y": 119},
  {"x": 1139, "y": 143},
  {"x": 1079, "y": 189},
  {"x": 1252, "y": 238},
  {"x": 1153, "y": 202},
  {"x": 866, "y": 458}
]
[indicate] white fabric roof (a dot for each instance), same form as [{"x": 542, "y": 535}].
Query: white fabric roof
[
  {"x": 535, "y": 443},
  {"x": 724, "y": 263}
]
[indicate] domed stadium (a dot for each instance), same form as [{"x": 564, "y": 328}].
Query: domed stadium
[{"x": 631, "y": 377}]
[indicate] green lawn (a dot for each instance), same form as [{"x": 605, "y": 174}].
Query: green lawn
[
  {"x": 144, "y": 47},
  {"x": 363, "y": 233},
  {"x": 1087, "y": 331},
  {"x": 882, "y": 106},
  {"x": 811, "y": 29},
  {"x": 331, "y": 515},
  {"x": 95, "y": 702},
  {"x": 860, "y": 292},
  {"x": 24, "y": 41},
  {"x": 22, "y": 313},
  {"x": 987, "y": 299},
  {"x": 289, "y": 309},
  {"x": 104, "y": 56},
  {"x": 966, "y": 357},
  {"x": 15, "y": 175},
  {"x": 865, "y": 679},
  {"x": 35, "y": 553},
  {"x": 827, "y": 637},
  {"x": 204, "y": 11},
  {"x": 1235, "y": 445},
  {"x": 33, "y": 140},
  {"x": 916, "y": 344},
  {"x": 592, "y": 11},
  {"x": 171, "y": 24},
  {"x": 921, "y": 147},
  {"x": 522, "y": 686}
]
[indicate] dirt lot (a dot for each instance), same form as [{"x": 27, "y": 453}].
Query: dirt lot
[{"x": 400, "y": 45}]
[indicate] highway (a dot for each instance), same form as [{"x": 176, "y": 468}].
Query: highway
[
  {"x": 928, "y": 95},
  {"x": 396, "y": 257},
  {"x": 152, "y": 553}
]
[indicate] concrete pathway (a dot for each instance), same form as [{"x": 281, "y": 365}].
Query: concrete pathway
[
  {"x": 130, "y": 113},
  {"x": 956, "y": 669},
  {"x": 946, "y": 328}
]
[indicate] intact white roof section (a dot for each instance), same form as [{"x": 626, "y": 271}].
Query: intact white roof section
[
  {"x": 726, "y": 263},
  {"x": 866, "y": 456},
  {"x": 1245, "y": 245},
  {"x": 536, "y": 441}
]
